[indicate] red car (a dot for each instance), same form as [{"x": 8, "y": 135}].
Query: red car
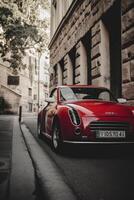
[{"x": 85, "y": 114}]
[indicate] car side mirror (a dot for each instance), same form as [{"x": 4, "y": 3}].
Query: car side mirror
[
  {"x": 121, "y": 100},
  {"x": 50, "y": 100}
]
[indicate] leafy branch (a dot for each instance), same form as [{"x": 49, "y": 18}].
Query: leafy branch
[{"x": 19, "y": 33}]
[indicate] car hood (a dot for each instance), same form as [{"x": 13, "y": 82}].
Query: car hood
[{"x": 101, "y": 108}]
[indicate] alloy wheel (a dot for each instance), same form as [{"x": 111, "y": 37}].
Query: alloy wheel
[{"x": 56, "y": 138}]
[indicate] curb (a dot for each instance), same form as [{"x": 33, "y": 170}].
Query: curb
[
  {"x": 50, "y": 180},
  {"x": 22, "y": 177}
]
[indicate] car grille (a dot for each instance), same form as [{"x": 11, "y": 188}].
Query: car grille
[
  {"x": 103, "y": 125},
  {"x": 97, "y": 126}
]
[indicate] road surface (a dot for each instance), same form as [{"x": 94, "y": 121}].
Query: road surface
[{"x": 93, "y": 173}]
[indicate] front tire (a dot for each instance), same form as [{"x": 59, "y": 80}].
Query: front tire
[
  {"x": 39, "y": 134},
  {"x": 57, "y": 143}
]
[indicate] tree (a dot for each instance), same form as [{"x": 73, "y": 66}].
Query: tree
[{"x": 21, "y": 28}]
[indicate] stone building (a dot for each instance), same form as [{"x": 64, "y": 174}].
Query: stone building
[
  {"x": 32, "y": 88},
  {"x": 30, "y": 91},
  {"x": 92, "y": 42},
  {"x": 11, "y": 95}
]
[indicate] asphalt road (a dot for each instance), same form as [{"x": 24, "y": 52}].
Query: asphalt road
[{"x": 93, "y": 173}]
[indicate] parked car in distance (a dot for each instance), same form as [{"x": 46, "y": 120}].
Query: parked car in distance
[{"x": 85, "y": 114}]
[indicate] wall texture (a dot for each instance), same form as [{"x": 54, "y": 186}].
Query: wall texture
[{"x": 94, "y": 44}]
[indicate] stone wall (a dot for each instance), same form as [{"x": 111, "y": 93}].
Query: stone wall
[
  {"x": 12, "y": 98},
  {"x": 10, "y": 93},
  {"x": 96, "y": 52},
  {"x": 86, "y": 18},
  {"x": 128, "y": 49}
]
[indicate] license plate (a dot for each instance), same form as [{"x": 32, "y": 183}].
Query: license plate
[{"x": 110, "y": 134}]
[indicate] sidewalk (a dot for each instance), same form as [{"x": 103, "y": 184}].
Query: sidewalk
[
  {"x": 26, "y": 170},
  {"x": 17, "y": 179},
  {"x": 6, "y": 129}
]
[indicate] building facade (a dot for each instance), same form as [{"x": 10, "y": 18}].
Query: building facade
[
  {"x": 8, "y": 94},
  {"x": 31, "y": 91},
  {"x": 32, "y": 85},
  {"x": 92, "y": 42}
]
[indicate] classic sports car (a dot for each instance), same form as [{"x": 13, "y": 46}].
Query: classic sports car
[{"x": 85, "y": 114}]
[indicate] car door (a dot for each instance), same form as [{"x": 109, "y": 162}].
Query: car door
[{"x": 50, "y": 112}]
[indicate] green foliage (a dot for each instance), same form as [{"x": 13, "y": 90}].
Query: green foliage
[{"x": 20, "y": 32}]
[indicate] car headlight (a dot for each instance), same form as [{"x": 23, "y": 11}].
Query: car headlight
[
  {"x": 133, "y": 112},
  {"x": 74, "y": 116}
]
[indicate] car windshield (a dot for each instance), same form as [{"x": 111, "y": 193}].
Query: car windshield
[{"x": 81, "y": 93}]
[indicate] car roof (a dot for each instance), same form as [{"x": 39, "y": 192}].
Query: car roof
[{"x": 81, "y": 86}]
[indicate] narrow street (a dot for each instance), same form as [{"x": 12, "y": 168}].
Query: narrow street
[
  {"x": 96, "y": 173},
  {"x": 80, "y": 172},
  {"x": 66, "y": 100}
]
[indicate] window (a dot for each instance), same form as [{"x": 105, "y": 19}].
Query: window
[
  {"x": 30, "y": 92},
  {"x": 112, "y": 23},
  {"x": 30, "y": 107},
  {"x": 35, "y": 97},
  {"x": 36, "y": 64}
]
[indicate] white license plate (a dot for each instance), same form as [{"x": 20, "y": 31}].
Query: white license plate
[{"x": 110, "y": 134}]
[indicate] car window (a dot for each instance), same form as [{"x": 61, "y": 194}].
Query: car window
[
  {"x": 67, "y": 94},
  {"x": 78, "y": 93},
  {"x": 104, "y": 96}
]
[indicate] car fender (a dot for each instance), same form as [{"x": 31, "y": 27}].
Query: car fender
[{"x": 66, "y": 126}]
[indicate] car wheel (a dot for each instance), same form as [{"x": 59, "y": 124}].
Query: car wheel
[{"x": 56, "y": 138}]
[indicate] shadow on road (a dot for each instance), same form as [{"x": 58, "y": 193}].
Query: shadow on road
[{"x": 97, "y": 151}]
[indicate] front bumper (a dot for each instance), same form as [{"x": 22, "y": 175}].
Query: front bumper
[{"x": 91, "y": 142}]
